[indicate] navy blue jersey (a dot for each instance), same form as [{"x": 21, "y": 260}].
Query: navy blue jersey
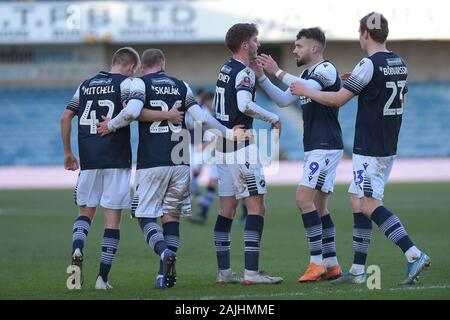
[
  {"x": 99, "y": 96},
  {"x": 381, "y": 82},
  {"x": 321, "y": 129},
  {"x": 158, "y": 91},
  {"x": 233, "y": 76}
]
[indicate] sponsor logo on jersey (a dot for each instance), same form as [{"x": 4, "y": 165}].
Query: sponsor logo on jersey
[
  {"x": 161, "y": 82},
  {"x": 394, "y": 61},
  {"x": 100, "y": 82},
  {"x": 225, "y": 69}
]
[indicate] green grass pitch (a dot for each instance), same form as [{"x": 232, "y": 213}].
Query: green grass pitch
[{"x": 35, "y": 233}]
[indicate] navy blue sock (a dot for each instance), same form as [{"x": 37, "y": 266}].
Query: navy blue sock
[
  {"x": 171, "y": 231},
  {"x": 222, "y": 241},
  {"x": 392, "y": 227},
  {"x": 313, "y": 230},
  {"x": 153, "y": 235},
  {"x": 362, "y": 234},
  {"x": 80, "y": 231},
  {"x": 328, "y": 235},
  {"x": 206, "y": 201},
  {"x": 110, "y": 244},
  {"x": 252, "y": 236}
]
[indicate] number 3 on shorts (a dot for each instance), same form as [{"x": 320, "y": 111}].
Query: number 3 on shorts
[{"x": 358, "y": 177}]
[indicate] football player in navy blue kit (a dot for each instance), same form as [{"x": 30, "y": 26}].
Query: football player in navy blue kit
[
  {"x": 105, "y": 161},
  {"x": 380, "y": 82},
  {"x": 240, "y": 176},
  {"x": 163, "y": 174},
  {"x": 322, "y": 143}
]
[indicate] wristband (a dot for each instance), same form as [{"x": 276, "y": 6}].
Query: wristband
[{"x": 262, "y": 79}]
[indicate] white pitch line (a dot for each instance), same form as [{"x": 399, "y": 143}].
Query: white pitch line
[{"x": 300, "y": 294}]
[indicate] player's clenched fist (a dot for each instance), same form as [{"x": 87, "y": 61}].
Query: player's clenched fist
[
  {"x": 298, "y": 89},
  {"x": 70, "y": 162}
]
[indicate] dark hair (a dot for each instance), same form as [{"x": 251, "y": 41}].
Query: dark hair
[
  {"x": 377, "y": 26},
  {"x": 126, "y": 56},
  {"x": 238, "y": 34},
  {"x": 313, "y": 33},
  {"x": 152, "y": 57}
]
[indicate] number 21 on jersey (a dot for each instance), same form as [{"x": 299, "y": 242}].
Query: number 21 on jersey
[{"x": 219, "y": 104}]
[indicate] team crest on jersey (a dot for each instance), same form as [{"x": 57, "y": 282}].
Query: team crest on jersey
[
  {"x": 246, "y": 82},
  {"x": 100, "y": 82}
]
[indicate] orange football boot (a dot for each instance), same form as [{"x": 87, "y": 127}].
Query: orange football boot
[
  {"x": 333, "y": 273},
  {"x": 313, "y": 273}
]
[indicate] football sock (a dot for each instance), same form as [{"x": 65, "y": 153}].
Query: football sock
[
  {"x": 362, "y": 234},
  {"x": 153, "y": 235},
  {"x": 313, "y": 231},
  {"x": 252, "y": 236},
  {"x": 110, "y": 244},
  {"x": 206, "y": 201},
  {"x": 171, "y": 231},
  {"x": 391, "y": 226},
  {"x": 195, "y": 188},
  {"x": 328, "y": 243},
  {"x": 80, "y": 232},
  {"x": 222, "y": 241}
]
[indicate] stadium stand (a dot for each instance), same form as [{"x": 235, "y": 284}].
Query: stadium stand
[{"x": 29, "y": 125}]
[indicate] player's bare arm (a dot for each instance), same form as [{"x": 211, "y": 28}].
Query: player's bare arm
[
  {"x": 174, "y": 115},
  {"x": 345, "y": 75},
  {"x": 70, "y": 161},
  {"x": 332, "y": 99},
  {"x": 238, "y": 132}
]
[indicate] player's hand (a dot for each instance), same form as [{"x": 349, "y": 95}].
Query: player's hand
[
  {"x": 176, "y": 116},
  {"x": 268, "y": 63},
  {"x": 298, "y": 89},
  {"x": 70, "y": 162},
  {"x": 345, "y": 75},
  {"x": 277, "y": 126},
  {"x": 241, "y": 134},
  {"x": 257, "y": 68},
  {"x": 102, "y": 127}
]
